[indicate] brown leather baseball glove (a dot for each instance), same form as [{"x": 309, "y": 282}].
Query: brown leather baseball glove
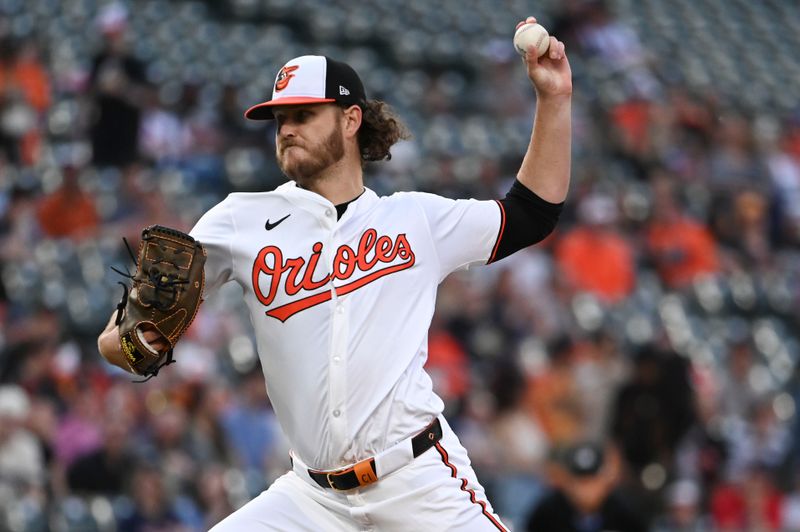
[{"x": 165, "y": 294}]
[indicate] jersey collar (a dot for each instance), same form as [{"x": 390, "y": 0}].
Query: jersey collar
[{"x": 318, "y": 204}]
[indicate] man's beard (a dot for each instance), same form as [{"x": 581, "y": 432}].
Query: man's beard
[{"x": 316, "y": 158}]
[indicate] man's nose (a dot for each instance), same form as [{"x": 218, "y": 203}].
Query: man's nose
[{"x": 287, "y": 129}]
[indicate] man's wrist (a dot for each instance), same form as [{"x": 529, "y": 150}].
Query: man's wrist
[{"x": 553, "y": 99}]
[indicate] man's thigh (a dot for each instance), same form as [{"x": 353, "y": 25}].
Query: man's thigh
[
  {"x": 438, "y": 491},
  {"x": 287, "y": 506}
]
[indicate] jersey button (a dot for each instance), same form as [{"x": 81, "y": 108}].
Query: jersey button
[
  {"x": 340, "y": 308},
  {"x": 336, "y": 360},
  {"x": 337, "y": 413},
  {"x": 328, "y": 213}
]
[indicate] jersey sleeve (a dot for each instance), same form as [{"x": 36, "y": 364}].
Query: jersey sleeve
[
  {"x": 464, "y": 232},
  {"x": 215, "y": 231}
]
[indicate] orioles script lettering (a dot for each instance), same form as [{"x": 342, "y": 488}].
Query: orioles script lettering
[{"x": 375, "y": 256}]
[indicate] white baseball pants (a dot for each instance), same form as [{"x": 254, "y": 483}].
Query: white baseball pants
[{"x": 437, "y": 491}]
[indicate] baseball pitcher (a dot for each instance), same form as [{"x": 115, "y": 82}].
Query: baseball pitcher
[{"x": 340, "y": 285}]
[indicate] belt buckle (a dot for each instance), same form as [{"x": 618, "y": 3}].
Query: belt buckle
[{"x": 330, "y": 481}]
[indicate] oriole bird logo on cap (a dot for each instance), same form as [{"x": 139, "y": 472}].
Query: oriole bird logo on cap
[{"x": 284, "y": 76}]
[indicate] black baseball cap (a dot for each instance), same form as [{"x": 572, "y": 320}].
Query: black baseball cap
[{"x": 311, "y": 79}]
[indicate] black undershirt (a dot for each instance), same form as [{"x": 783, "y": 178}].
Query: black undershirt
[{"x": 343, "y": 206}]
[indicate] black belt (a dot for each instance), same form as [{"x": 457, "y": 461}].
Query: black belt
[{"x": 364, "y": 473}]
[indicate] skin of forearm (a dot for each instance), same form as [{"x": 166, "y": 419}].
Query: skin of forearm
[
  {"x": 546, "y": 166},
  {"x": 109, "y": 346}
]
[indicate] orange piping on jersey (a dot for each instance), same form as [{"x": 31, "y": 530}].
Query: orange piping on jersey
[
  {"x": 500, "y": 234},
  {"x": 471, "y": 492}
]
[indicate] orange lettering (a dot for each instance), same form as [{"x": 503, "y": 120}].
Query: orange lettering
[
  {"x": 344, "y": 257},
  {"x": 260, "y": 266},
  {"x": 294, "y": 266},
  {"x": 403, "y": 248},
  {"x": 300, "y": 272},
  {"x": 383, "y": 249},
  {"x": 365, "y": 245},
  {"x": 308, "y": 282}
]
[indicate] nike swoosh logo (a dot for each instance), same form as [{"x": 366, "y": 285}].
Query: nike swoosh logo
[{"x": 270, "y": 226}]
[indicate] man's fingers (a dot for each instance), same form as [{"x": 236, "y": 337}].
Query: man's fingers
[
  {"x": 556, "y": 49},
  {"x": 155, "y": 339},
  {"x": 529, "y": 20}
]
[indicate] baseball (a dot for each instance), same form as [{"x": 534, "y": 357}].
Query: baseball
[{"x": 531, "y": 34}]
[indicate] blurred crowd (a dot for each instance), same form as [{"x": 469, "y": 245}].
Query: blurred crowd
[{"x": 635, "y": 371}]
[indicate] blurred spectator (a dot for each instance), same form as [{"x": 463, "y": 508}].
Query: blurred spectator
[
  {"x": 684, "y": 511},
  {"x": 22, "y": 463},
  {"x": 24, "y": 98},
  {"x": 762, "y": 440},
  {"x": 171, "y": 443},
  {"x": 213, "y": 496},
  {"x": 702, "y": 454},
  {"x": 207, "y": 441},
  {"x": 653, "y": 411},
  {"x": 68, "y": 211},
  {"x": 80, "y": 430},
  {"x": 448, "y": 367},
  {"x": 784, "y": 171},
  {"x": 163, "y": 137},
  {"x": 733, "y": 162},
  {"x": 250, "y": 424},
  {"x": 105, "y": 471},
  {"x": 738, "y": 395},
  {"x": 520, "y": 445},
  {"x": 31, "y": 338},
  {"x": 741, "y": 221},
  {"x": 632, "y": 120},
  {"x": 618, "y": 48},
  {"x": 751, "y": 503},
  {"x": 18, "y": 226},
  {"x": 595, "y": 257},
  {"x": 22, "y": 71},
  {"x": 21, "y": 459},
  {"x": 584, "y": 499},
  {"x": 600, "y": 368},
  {"x": 153, "y": 509},
  {"x": 118, "y": 88},
  {"x": 680, "y": 247},
  {"x": 751, "y": 209},
  {"x": 552, "y": 396}
]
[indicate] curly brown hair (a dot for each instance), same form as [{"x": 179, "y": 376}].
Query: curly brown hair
[{"x": 380, "y": 129}]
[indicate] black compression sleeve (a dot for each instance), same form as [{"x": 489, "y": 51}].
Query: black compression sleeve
[{"x": 526, "y": 220}]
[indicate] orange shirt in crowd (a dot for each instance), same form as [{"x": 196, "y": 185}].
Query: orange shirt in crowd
[
  {"x": 633, "y": 120},
  {"x": 67, "y": 214},
  {"x": 597, "y": 261},
  {"x": 30, "y": 78},
  {"x": 448, "y": 365},
  {"x": 682, "y": 249}
]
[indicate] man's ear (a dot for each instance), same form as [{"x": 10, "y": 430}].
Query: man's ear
[{"x": 352, "y": 120}]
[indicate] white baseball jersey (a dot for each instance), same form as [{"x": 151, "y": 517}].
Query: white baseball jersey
[{"x": 341, "y": 308}]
